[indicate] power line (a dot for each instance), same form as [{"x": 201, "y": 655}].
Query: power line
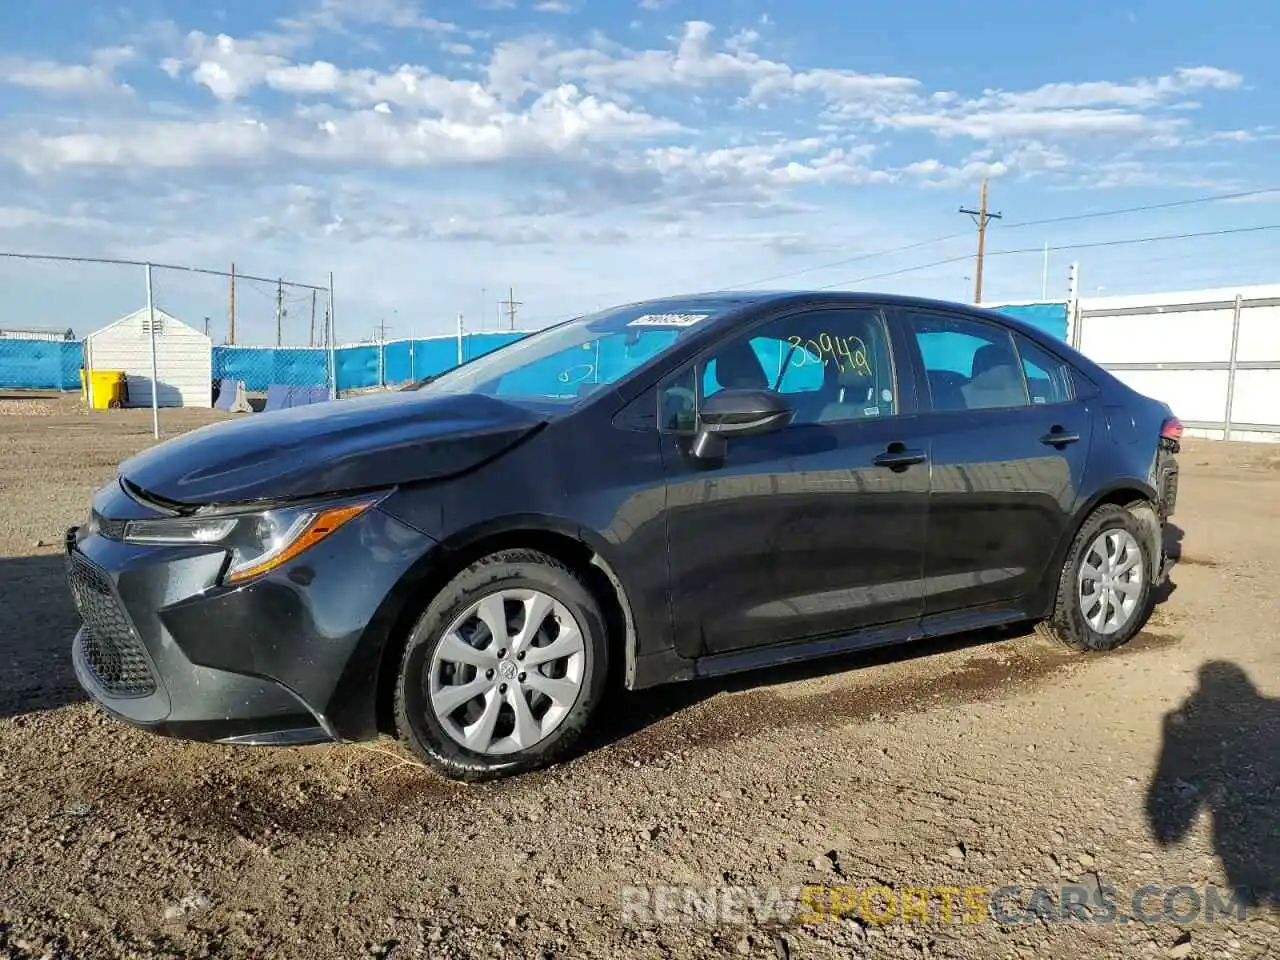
[
  {"x": 1145, "y": 208},
  {"x": 1092, "y": 244},
  {"x": 11, "y": 255},
  {"x": 875, "y": 254},
  {"x": 848, "y": 260}
]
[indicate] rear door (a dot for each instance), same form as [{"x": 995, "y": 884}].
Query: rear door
[{"x": 1009, "y": 440}]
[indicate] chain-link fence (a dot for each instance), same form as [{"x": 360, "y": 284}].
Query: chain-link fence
[
  {"x": 47, "y": 309},
  {"x": 132, "y": 334},
  {"x": 129, "y": 334}
]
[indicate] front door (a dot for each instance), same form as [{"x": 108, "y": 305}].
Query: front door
[
  {"x": 1009, "y": 441},
  {"x": 815, "y": 530}
]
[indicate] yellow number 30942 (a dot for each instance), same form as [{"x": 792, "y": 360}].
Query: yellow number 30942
[{"x": 845, "y": 352}]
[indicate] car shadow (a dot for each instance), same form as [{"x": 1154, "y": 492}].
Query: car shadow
[
  {"x": 1221, "y": 755},
  {"x": 37, "y": 622},
  {"x": 634, "y": 712}
]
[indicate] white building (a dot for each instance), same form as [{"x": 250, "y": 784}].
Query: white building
[
  {"x": 1212, "y": 355},
  {"x": 184, "y": 359}
]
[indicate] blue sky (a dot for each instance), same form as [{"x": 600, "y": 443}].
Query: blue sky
[{"x": 582, "y": 152}]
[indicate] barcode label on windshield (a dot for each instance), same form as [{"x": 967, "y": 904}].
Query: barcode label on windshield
[{"x": 668, "y": 319}]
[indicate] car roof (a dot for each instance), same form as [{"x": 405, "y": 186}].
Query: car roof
[
  {"x": 741, "y": 299},
  {"x": 761, "y": 297}
]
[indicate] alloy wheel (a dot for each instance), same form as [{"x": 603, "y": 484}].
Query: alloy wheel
[
  {"x": 507, "y": 671},
  {"x": 1110, "y": 582}
]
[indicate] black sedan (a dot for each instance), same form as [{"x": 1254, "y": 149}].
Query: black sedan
[{"x": 667, "y": 490}]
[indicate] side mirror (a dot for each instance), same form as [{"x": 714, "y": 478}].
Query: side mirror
[{"x": 737, "y": 413}]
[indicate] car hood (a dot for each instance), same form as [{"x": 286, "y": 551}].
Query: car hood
[{"x": 371, "y": 441}]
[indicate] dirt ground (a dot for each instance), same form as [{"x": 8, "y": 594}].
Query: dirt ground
[{"x": 985, "y": 761}]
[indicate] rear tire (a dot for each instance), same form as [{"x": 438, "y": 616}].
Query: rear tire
[
  {"x": 1111, "y": 554},
  {"x": 494, "y": 630}
]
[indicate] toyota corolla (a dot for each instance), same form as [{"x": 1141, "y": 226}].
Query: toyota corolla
[{"x": 662, "y": 491}]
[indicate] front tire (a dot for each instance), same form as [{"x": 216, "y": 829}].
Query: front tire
[
  {"x": 504, "y": 668},
  {"x": 1104, "y": 591}
]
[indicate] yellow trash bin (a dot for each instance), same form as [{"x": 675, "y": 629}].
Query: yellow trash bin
[{"x": 109, "y": 388}]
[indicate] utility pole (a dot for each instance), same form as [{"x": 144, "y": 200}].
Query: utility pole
[
  {"x": 1044, "y": 275},
  {"x": 1073, "y": 305},
  {"x": 279, "y": 310},
  {"x": 311, "y": 338},
  {"x": 231, "y": 333},
  {"x": 981, "y": 217},
  {"x": 511, "y": 303}
]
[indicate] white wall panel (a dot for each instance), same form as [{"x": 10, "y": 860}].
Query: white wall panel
[
  {"x": 1257, "y": 397},
  {"x": 1172, "y": 337},
  {"x": 1193, "y": 394},
  {"x": 1259, "y": 334}
]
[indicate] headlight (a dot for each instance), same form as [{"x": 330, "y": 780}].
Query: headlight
[{"x": 258, "y": 542}]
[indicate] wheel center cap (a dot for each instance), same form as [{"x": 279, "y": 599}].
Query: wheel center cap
[{"x": 507, "y": 670}]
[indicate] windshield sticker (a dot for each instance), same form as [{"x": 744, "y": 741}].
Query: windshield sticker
[{"x": 668, "y": 319}]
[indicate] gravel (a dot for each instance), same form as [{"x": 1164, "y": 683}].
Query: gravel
[{"x": 948, "y": 764}]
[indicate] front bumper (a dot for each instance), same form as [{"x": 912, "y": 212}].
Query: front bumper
[{"x": 289, "y": 658}]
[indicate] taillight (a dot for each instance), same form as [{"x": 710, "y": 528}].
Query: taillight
[{"x": 1171, "y": 429}]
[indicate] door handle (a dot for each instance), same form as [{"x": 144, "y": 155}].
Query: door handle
[
  {"x": 1057, "y": 437},
  {"x": 898, "y": 457}
]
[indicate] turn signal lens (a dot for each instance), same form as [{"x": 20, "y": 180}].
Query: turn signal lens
[
  {"x": 281, "y": 546},
  {"x": 1171, "y": 429}
]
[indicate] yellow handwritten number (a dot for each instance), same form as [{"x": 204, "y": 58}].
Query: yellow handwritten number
[{"x": 827, "y": 349}]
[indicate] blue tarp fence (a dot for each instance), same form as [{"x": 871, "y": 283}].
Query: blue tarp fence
[
  {"x": 55, "y": 364},
  {"x": 40, "y": 364},
  {"x": 359, "y": 366},
  {"x": 1049, "y": 317}
]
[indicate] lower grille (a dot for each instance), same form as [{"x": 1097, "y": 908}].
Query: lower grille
[{"x": 111, "y": 648}]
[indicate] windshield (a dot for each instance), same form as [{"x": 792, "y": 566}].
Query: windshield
[{"x": 563, "y": 364}]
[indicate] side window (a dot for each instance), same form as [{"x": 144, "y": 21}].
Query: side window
[
  {"x": 769, "y": 353},
  {"x": 832, "y": 365},
  {"x": 1048, "y": 378},
  {"x": 970, "y": 365}
]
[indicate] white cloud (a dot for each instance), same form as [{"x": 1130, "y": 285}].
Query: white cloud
[
  {"x": 1139, "y": 93},
  {"x": 321, "y": 131},
  {"x": 537, "y": 97},
  {"x": 1019, "y": 124},
  {"x": 338, "y": 16},
  {"x": 693, "y": 61},
  {"x": 560, "y": 122},
  {"x": 553, "y": 6},
  {"x": 1067, "y": 110},
  {"x": 63, "y": 79}
]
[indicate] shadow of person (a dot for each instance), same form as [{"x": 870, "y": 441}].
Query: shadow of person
[{"x": 1221, "y": 753}]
